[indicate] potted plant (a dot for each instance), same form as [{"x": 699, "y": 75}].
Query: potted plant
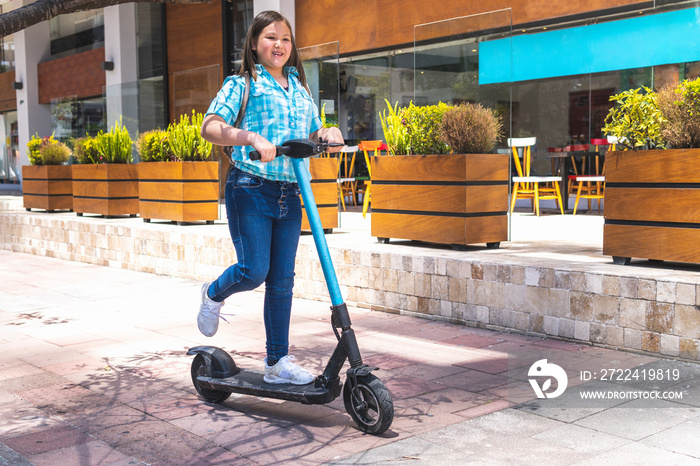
[
  {"x": 324, "y": 185},
  {"x": 106, "y": 181},
  {"x": 47, "y": 181},
  {"x": 441, "y": 183},
  {"x": 177, "y": 181},
  {"x": 651, "y": 197}
]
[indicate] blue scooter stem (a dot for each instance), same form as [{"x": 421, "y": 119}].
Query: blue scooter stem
[{"x": 304, "y": 181}]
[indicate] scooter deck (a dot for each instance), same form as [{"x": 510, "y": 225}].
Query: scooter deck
[{"x": 251, "y": 383}]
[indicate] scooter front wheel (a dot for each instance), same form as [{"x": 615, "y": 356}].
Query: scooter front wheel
[
  {"x": 201, "y": 368},
  {"x": 369, "y": 404}
]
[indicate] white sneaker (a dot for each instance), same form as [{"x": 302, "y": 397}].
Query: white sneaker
[
  {"x": 285, "y": 371},
  {"x": 209, "y": 313}
]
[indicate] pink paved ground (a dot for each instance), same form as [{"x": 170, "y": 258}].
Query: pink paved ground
[{"x": 93, "y": 371}]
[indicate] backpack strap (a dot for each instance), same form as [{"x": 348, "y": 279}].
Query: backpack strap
[
  {"x": 244, "y": 101},
  {"x": 228, "y": 150}
]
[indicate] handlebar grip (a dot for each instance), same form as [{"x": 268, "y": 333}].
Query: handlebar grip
[{"x": 255, "y": 155}]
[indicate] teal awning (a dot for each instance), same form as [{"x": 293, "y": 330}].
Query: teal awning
[{"x": 649, "y": 40}]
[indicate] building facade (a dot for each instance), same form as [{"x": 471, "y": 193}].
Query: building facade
[{"x": 548, "y": 68}]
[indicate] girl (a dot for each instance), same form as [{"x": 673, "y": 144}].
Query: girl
[{"x": 262, "y": 197}]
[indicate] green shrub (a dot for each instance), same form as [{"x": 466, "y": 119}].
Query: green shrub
[
  {"x": 47, "y": 151},
  {"x": 635, "y": 120},
  {"x": 395, "y": 131},
  {"x": 414, "y": 130},
  {"x": 680, "y": 108},
  {"x": 85, "y": 150},
  {"x": 186, "y": 141},
  {"x": 470, "y": 129},
  {"x": 54, "y": 153},
  {"x": 424, "y": 128},
  {"x": 34, "y": 146},
  {"x": 114, "y": 146},
  {"x": 153, "y": 146}
]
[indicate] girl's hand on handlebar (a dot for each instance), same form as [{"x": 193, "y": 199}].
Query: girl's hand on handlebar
[
  {"x": 267, "y": 150},
  {"x": 330, "y": 135}
]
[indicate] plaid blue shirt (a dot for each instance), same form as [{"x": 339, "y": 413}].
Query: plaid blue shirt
[{"x": 275, "y": 114}]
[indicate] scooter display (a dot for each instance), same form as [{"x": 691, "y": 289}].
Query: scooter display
[{"x": 215, "y": 374}]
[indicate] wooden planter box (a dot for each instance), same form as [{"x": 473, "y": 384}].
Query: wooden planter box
[
  {"x": 47, "y": 187},
  {"x": 457, "y": 199},
  {"x": 651, "y": 205},
  {"x": 324, "y": 185},
  {"x": 106, "y": 189},
  {"x": 179, "y": 191}
]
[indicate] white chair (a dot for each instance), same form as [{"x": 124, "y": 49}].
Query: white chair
[{"x": 527, "y": 186}]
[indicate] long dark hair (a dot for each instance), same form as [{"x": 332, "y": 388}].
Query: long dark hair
[{"x": 250, "y": 56}]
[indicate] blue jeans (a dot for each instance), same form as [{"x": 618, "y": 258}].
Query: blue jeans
[{"x": 264, "y": 218}]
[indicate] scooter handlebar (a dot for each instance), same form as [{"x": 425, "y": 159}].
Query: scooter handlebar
[{"x": 299, "y": 148}]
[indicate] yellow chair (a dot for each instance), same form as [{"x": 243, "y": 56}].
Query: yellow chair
[
  {"x": 527, "y": 186},
  {"x": 366, "y": 147}
]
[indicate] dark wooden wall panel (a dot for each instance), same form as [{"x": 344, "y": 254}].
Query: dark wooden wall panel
[
  {"x": 79, "y": 75},
  {"x": 195, "y": 40},
  {"x": 372, "y": 24},
  {"x": 8, "y": 96}
]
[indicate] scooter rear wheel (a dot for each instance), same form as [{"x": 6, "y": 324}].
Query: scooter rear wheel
[
  {"x": 369, "y": 404},
  {"x": 201, "y": 368}
]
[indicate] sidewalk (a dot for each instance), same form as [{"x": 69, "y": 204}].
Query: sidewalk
[{"x": 93, "y": 371}]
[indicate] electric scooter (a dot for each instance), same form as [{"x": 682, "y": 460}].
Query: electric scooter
[{"x": 367, "y": 400}]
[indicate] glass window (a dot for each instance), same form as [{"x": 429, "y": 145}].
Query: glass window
[
  {"x": 239, "y": 14},
  {"x": 73, "y": 118},
  {"x": 9, "y": 145},
  {"x": 149, "y": 32},
  {"x": 76, "y": 32},
  {"x": 7, "y": 53}
]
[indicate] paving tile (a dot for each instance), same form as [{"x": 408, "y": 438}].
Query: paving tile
[
  {"x": 474, "y": 380},
  {"x": 302, "y": 452},
  {"x": 427, "y": 371},
  {"x": 474, "y": 341},
  {"x": 46, "y": 440},
  {"x": 16, "y": 420},
  {"x": 447, "y": 400},
  {"x": 209, "y": 456},
  {"x": 212, "y": 421},
  {"x": 168, "y": 410},
  {"x": 122, "y": 434},
  {"x": 636, "y": 420},
  {"x": 412, "y": 450},
  {"x": 260, "y": 436},
  {"x": 167, "y": 446},
  {"x": 412, "y": 422},
  {"x": 634, "y": 453},
  {"x": 403, "y": 386},
  {"x": 581, "y": 439},
  {"x": 94, "y": 420},
  {"x": 488, "y": 407},
  {"x": 94, "y": 452},
  {"x": 505, "y": 423},
  {"x": 9, "y": 456},
  {"x": 681, "y": 438}
]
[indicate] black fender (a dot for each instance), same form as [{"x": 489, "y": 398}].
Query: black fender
[{"x": 219, "y": 362}]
